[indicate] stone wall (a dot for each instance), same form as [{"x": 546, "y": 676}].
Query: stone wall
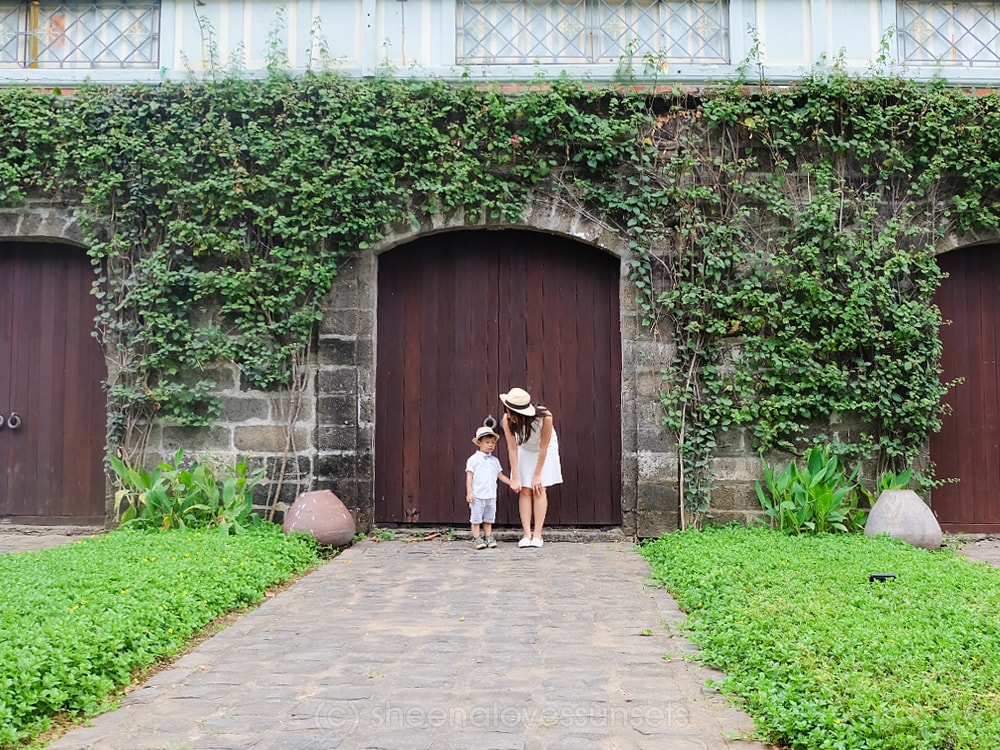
[
  {"x": 345, "y": 384},
  {"x": 326, "y": 440}
]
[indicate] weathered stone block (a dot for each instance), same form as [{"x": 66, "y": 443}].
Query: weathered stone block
[
  {"x": 338, "y": 410},
  {"x": 9, "y": 223},
  {"x": 366, "y": 410},
  {"x": 655, "y": 438},
  {"x": 344, "y": 294},
  {"x": 338, "y": 381},
  {"x": 656, "y": 497},
  {"x": 268, "y": 438},
  {"x": 243, "y": 408},
  {"x": 337, "y": 465},
  {"x": 294, "y": 466},
  {"x": 342, "y": 322},
  {"x": 337, "y": 350},
  {"x": 733, "y": 440},
  {"x": 653, "y": 524},
  {"x": 903, "y": 515},
  {"x": 737, "y": 468},
  {"x": 726, "y": 497},
  {"x": 657, "y": 467},
  {"x": 194, "y": 439},
  {"x": 282, "y": 403},
  {"x": 337, "y": 438}
]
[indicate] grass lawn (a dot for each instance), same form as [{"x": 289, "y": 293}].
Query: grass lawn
[
  {"x": 79, "y": 622},
  {"x": 823, "y": 658}
]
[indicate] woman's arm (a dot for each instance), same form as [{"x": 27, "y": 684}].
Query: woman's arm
[{"x": 515, "y": 483}]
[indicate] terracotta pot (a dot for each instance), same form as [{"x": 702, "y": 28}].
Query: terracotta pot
[{"x": 323, "y": 516}]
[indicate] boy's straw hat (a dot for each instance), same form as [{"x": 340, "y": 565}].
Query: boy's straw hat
[{"x": 484, "y": 432}]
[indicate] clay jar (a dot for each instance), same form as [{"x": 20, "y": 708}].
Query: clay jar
[
  {"x": 323, "y": 516},
  {"x": 903, "y": 515}
]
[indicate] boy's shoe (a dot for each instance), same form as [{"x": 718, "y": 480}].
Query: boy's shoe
[
  {"x": 491, "y": 542},
  {"x": 525, "y": 542},
  {"x": 480, "y": 543}
]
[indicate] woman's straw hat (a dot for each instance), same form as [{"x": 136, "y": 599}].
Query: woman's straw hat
[{"x": 518, "y": 400}]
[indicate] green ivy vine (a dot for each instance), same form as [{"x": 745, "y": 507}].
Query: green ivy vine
[
  {"x": 801, "y": 281},
  {"x": 782, "y": 239}
]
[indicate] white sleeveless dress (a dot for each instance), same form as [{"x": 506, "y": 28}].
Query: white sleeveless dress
[{"x": 527, "y": 457}]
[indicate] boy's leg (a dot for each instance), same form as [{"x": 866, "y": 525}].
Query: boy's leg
[
  {"x": 475, "y": 520},
  {"x": 489, "y": 516}
]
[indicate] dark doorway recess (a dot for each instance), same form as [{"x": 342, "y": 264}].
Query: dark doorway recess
[
  {"x": 968, "y": 446},
  {"x": 463, "y": 316},
  {"x": 51, "y": 369}
]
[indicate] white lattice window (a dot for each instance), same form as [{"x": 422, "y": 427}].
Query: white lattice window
[
  {"x": 957, "y": 33},
  {"x": 79, "y": 35},
  {"x": 510, "y": 32}
]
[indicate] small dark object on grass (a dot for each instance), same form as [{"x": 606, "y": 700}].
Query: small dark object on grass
[{"x": 881, "y": 577}]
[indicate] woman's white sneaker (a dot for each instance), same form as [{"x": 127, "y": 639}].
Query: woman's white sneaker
[
  {"x": 525, "y": 542},
  {"x": 536, "y": 542}
]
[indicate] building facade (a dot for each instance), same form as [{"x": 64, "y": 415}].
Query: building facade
[
  {"x": 330, "y": 436},
  {"x": 680, "y": 41}
]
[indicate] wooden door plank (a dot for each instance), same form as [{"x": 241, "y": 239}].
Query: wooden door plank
[
  {"x": 7, "y": 364},
  {"x": 985, "y": 512},
  {"x": 389, "y": 393}
]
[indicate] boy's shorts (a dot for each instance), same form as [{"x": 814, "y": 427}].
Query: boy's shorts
[{"x": 483, "y": 511}]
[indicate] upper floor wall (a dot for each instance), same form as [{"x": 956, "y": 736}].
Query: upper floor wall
[{"x": 48, "y": 42}]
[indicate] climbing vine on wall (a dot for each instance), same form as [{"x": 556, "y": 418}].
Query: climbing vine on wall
[
  {"x": 782, "y": 238},
  {"x": 801, "y": 283}
]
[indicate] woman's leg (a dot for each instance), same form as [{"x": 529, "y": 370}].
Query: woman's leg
[
  {"x": 541, "y": 506},
  {"x": 524, "y": 503}
]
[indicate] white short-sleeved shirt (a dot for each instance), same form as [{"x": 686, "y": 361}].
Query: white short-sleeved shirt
[{"x": 485, "y": 468}]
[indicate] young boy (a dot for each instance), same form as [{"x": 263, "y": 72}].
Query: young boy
[{"x": 482, "y": 471}]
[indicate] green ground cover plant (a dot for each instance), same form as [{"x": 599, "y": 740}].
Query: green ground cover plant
[
  {"x": 78, "y": 622},
  {"x": 821, "y": 657}
]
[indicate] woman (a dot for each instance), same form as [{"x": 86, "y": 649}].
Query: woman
[{"x": 533, "y": 452}]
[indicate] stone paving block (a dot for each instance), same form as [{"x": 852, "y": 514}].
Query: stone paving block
[{"x": 221, "y": 742}]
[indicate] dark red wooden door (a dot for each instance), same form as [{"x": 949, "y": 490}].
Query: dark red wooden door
[
  {"x": 968, "y": 446},
  {"x": 51, "y": 370},
  {"x": 462, "y": 317}
]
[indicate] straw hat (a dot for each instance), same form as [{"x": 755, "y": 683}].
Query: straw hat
[
  {"x": 484, "y": 432},
  {"x": 518, "y": 400}
]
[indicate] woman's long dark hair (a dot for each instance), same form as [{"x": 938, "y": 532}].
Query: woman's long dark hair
[{"x": 521, "y": 426}]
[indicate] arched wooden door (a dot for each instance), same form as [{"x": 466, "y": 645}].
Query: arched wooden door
[
  {"x": 51, "y": 368},
  {"x": 463, "y": 316},
  {"x": 968, "y": 446}
]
